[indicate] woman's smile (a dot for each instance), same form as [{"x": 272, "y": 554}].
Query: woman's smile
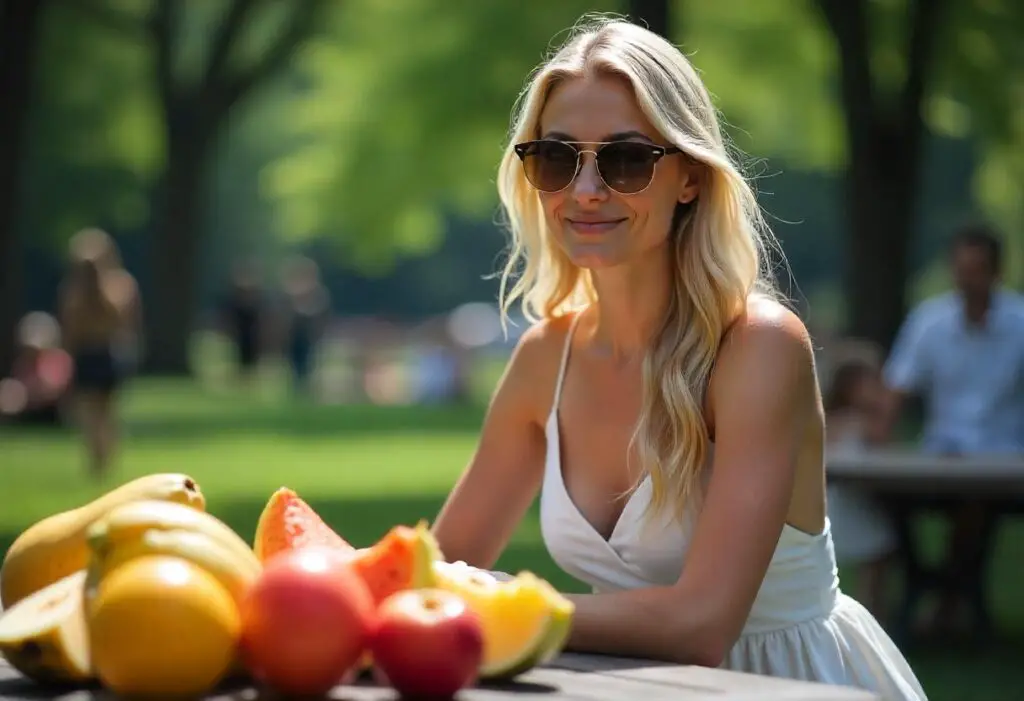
[{"x": 590, "y": 226}]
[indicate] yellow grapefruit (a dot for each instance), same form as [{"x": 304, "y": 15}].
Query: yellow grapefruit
[{"x": 162, "y": 626}]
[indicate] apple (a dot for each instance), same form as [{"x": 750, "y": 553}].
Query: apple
[
  {"x": 428, "y": 643},
  {"x": 306, "y": 621}
]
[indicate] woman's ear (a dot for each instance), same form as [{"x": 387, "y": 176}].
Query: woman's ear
[{"x": 690, "y": 183}]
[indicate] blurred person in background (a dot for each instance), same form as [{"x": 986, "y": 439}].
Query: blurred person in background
[
  {"x": 100, "y": 313},
  {"x": 663, "y": 404},
  {"x": 243, "y": 318},
  {"x": 305, "y": 316},
  {"x": 963, "y": 351},
  {"x": 41, "y": 376},
  {"x": 863, "y": 533}
]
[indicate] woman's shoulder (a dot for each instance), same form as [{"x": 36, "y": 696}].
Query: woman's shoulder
[
  {"x": 766, "y": 338},
  {"x": 121, "y": 287},
  {"x": 536, "y": 360},
  {"x": 766, "y": 321}
]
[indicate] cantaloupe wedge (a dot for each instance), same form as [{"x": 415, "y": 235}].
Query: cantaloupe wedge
[{"x": 525, "y": 621}]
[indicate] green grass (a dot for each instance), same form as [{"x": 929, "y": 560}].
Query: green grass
[{"x": 366, "y": 469}]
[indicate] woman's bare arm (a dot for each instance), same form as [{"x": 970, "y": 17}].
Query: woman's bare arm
[
  {"x": 761, "y": 400},
  {"x": 505, "y": 472}
]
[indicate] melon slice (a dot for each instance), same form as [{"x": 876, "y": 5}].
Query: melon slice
[
  {"x": 525, "y": 621},
  {"x": 45, "y": 635},
  {"x": 288, "y": 522},
  {"x": 402, "y": 559}
]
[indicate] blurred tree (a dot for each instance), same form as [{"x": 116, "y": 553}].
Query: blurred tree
[
  {"x": 405, "y": 118},
  {"x": 885, "y": 131},
  {"x": 207, "y": 59},
  {"x": 19, "y": 30},
  {"x": 656, "y": 15},
  {"x": 873, "y": 87}
]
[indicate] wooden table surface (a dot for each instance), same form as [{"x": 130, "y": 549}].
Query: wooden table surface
[
  {"x": 906, "y": 471},
  {"x": 572, "y": 676}
]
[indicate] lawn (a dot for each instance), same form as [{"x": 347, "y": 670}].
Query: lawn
[{"x": 366, "y": 469}]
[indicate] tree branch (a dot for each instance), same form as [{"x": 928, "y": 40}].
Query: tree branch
[
  {"x": 117, "y": 21},
  {"x": 229, "y": 90},
  {"x": 161, "y": 28},
  {"x": 848, "y": 23},
  {"x": 923, "y": 31},
  {"x": 233, "y": 21}
]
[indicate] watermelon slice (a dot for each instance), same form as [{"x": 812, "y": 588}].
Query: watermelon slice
[{"x": 288, "y": 522}]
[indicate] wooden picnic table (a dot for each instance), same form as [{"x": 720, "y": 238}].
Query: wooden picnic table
[
  {"x": 571, "y": 676},
  {"x": 908, "y": 483}
]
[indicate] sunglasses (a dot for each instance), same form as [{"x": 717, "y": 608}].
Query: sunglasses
[{"x": 627, "y": 167}]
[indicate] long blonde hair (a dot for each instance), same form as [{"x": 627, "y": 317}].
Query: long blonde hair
[{"x": 720, "y": 243}]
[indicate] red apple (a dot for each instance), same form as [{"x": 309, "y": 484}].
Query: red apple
[
  {"x": 306, "y": 621},
  {"x": 428, "y": 643}
]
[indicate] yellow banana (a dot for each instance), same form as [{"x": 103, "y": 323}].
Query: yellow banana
[
  {"x": 128, "y": 522},
  {"x": 235, "y": 573},
  {"x": 55, "y": 547}
]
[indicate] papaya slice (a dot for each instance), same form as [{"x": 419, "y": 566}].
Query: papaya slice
[
  {"x": 403, "y": 559},
  {"x": 287, "y": 522}
]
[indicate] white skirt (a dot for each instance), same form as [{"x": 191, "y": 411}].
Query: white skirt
[{"x": 846, "y": 648}]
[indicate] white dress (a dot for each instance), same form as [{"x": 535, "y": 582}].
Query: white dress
[{"x": 801, "y": 625}]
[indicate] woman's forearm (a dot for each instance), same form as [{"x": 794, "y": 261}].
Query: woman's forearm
[{"x": 650, "y": 623}]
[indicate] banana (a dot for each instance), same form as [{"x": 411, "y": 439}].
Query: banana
[
  {"x": 128, "y": 522},
  {"x": 55, "y": 547},
  {"x": 235, "y": 573}
]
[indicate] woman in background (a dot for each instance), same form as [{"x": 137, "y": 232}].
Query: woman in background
[{"x": 100, "y": 314}]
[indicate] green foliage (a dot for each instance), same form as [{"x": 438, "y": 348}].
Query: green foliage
[
  {"x": 94, "y": 129},
  {"x": 406, "y": 119}
]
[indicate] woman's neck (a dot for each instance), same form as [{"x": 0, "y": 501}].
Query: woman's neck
[{"x": 632, "y": 301}]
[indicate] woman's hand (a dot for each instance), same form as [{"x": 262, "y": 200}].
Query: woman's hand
[{"x": 762, "y": 400}]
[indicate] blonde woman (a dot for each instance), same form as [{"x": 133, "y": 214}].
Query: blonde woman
[
  {"x": 100, "y": 317},
  {"x": 664, "y": 404}
]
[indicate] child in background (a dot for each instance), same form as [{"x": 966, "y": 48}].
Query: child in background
[{"x": 862, "y": 532}]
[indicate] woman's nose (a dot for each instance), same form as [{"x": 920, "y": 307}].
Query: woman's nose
[{"x": 588, "y": 183}]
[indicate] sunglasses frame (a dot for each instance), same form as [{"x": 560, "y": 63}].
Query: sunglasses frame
[{"x": 657, "y": 153}]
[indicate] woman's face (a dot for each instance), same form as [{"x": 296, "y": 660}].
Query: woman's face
[{"x": 596, "y": 226}]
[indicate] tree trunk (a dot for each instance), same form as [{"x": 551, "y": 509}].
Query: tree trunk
[
  {"x": 884, "y": 137},
  {"x": 881, "y": 193},
  {"x": 171, "y": 300},
  {"x": 655, "y": 14},
  {"x": 19, "y": 31}
]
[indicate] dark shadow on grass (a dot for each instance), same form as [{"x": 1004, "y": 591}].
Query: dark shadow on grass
[{"x": 305, "y": 420}]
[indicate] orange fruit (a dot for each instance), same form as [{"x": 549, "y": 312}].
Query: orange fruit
[{"x": 162, "y": 626}]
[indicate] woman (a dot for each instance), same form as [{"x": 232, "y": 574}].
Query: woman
[
  {"x": 99, "y": 314},
  {"x": 665, "y": 406}
]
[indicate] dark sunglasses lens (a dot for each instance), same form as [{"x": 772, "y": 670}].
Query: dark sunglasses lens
[
  {"x": 550, "y": 166},
  {"x": 626, "y": 167}
]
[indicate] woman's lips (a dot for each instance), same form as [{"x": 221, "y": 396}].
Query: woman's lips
[{"x": 591, "y": 227}]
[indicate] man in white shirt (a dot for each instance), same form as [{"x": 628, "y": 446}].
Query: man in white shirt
[{"x": 963, "y": 352}]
